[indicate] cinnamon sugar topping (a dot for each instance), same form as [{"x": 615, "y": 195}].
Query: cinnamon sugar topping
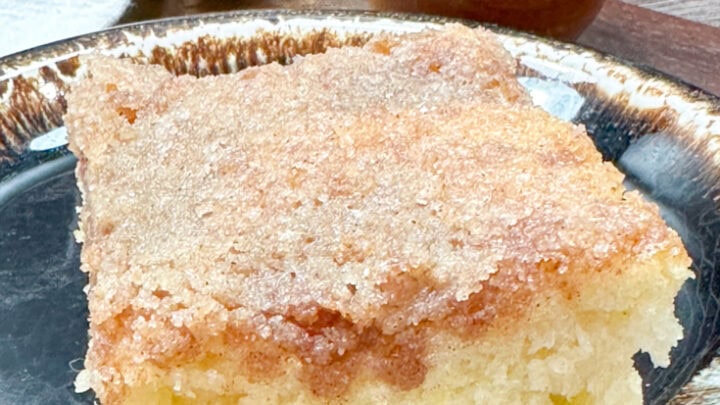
[{"x": 338, "y": 208}]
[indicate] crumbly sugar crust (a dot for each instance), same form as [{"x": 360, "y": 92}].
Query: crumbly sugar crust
[{"x": 407, "y": 184}]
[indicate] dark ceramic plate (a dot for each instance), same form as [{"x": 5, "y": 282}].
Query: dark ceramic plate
[{"x": 664, "y": 136}]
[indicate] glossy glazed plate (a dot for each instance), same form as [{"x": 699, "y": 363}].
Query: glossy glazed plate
[{"x": 662, "y": 134}]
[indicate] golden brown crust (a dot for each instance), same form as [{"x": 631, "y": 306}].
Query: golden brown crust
[{"x": 330, "y": 207}]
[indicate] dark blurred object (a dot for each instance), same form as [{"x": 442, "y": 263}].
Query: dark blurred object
[{"x": 562, "y": 19}]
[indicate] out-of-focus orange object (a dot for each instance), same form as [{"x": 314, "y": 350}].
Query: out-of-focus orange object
[{"x": 563, "y": 19}]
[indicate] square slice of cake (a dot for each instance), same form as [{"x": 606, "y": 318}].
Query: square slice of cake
[{"x": 392, "y": 223}]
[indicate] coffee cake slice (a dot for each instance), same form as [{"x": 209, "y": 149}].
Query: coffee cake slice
[{"x": 386, "y": 224}]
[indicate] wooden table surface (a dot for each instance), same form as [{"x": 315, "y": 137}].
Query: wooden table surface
[
  {"x": 703, "y": 11},
  {"x": 677, "y": 37}
]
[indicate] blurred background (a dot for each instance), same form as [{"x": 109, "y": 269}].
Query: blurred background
[
  {"x": 27, "y": 23},
  {"x": 559, "y": 18}
]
